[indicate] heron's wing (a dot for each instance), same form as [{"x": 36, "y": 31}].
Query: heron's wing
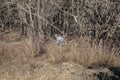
[{"x": 60, "y": 38}]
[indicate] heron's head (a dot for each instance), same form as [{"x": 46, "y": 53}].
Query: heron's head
[{"x": 57, "y": 35}]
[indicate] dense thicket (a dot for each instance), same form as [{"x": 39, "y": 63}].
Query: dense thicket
[{"x": 97, "y": 19}]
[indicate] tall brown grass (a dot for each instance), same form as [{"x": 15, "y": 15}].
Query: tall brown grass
[{"x": 83, "y": 55}]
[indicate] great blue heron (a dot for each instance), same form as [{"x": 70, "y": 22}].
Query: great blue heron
[{"x": 59, "y": 39}]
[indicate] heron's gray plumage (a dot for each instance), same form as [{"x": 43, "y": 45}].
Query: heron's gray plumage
[{"x": 59, "y": 39}]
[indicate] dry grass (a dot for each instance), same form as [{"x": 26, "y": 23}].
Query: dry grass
[
  {"x": 17, "y": 61},
  {"x": 82, "y": 54}
]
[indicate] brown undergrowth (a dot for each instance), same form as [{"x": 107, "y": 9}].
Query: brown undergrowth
[{"x": 82, "y": 53}]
